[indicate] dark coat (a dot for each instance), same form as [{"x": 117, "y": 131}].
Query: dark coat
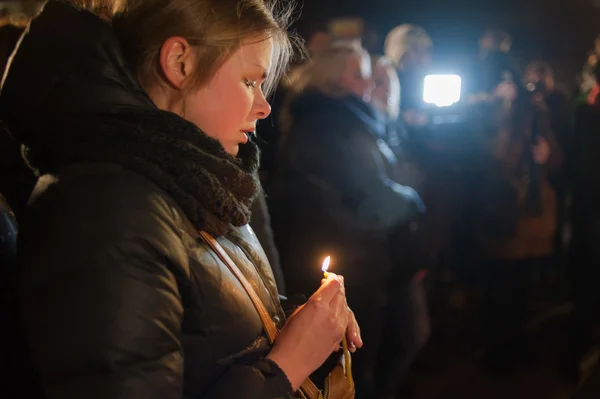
[
  {"x": 335, "y": 196},
  {"x": 117, "y": 286},
  {"x": 119, "y": 296}
]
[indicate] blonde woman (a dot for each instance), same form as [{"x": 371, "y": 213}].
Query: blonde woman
[
  {"x": 335, "y": 188},
  {"x": 142, "y": 131}
]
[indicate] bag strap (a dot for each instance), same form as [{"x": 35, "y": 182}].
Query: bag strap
[
  {"x": 308, "y": 388},
  {"x": 267, "y": 322}
]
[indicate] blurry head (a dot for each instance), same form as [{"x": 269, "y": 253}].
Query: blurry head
[
  {"x": 317, "y": 37},
  {"x": 495, "y": 40},
  {"x": 338, "y": 71},
  {"x": 211, "y": 62},
  {"x": 408, "y": 46},
  {"x": 539, "y": 72},
  {"x": 386, "y": 94}
]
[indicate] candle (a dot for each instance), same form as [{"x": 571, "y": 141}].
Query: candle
[{"x": 347, "y": 362}]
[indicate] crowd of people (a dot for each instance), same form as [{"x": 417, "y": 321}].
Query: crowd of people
[{"x": 165, "y": 172}]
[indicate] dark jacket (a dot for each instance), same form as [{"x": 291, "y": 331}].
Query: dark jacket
[
  {"x": 335, "y": 196},
  {"x": 118, "y": 286},
  {"x": 261, "y": 224},
  {"x": 119, "y": 296}
]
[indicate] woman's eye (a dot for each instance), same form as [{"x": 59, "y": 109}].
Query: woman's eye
[{"x": 251, "y": 83}]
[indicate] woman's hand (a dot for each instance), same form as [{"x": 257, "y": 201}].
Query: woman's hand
[
  {"x": 353, "y": 334},
  {"x": 315, "y": 331}
]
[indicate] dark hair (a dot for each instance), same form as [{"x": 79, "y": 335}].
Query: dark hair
[{"x": 498, "y": 36}]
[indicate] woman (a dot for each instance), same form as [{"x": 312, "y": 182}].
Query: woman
[
  {"x": 335, "y": 190},
  {"x": 141, "y": 132}
]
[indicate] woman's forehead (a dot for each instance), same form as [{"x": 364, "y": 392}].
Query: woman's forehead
[{"x": 256, "y": 53}]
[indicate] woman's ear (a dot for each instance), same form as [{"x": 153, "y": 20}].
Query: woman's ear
[{"x": 176, "y": 61}]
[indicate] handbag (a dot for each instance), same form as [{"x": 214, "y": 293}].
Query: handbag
[{"x": 338, "y": 384}]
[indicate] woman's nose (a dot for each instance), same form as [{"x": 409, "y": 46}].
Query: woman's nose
[{"x": 263, "y": 108}]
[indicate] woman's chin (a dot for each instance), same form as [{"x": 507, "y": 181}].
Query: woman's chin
[{"x": 233, "y": 149}]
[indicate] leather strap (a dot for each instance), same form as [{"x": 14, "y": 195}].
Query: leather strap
[
  {"x": 268, "y": 323},
  {"x": 308, "y": 388}
]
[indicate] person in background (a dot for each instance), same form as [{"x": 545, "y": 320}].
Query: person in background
[
  {"x": 539, "y": 80},
  {"x": 141, "y": 128},
  {"x": 495, "y": 64},
  {"x": 408, "y": 327},
  {"x": 409, "y": 48},
  {"x": 523, "y": 156},
  {"x": 335, "y": 187},
  {"x": 317, "y": 39},
  {"x": 386, "y": 93}
]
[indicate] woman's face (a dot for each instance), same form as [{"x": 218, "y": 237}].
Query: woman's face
[
  {"x": 228, "y": 106},
  {"x": 386, "y": 89},
  {"x": 356, "y": 77}
]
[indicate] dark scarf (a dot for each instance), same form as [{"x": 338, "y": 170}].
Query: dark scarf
[
  {"x": 214, "y": 189},
  {"x": 70, "y": 98}
]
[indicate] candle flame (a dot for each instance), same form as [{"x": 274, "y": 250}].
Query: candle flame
[{"x": 326, "y": 262}]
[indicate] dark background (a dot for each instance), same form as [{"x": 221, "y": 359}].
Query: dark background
[{"x": 560, "y": 32}]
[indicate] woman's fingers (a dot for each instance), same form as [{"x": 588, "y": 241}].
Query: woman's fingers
[
  {"x": 353, "y": 333},
  {"x": 330, "y": 288}
]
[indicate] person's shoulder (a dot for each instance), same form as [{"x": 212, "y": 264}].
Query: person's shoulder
[{"x": 105, "y": 198}]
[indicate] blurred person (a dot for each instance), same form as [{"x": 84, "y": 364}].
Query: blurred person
[
  {"x": 495, "y": 62},
  {"x": 141, "y": 132},
  {"x": 335, "y": 188},
  {"x": 409, "y": 48},
  {"x": 524, "y": 154},
  {"x": 587, "y": 79},
  {"x": 539, "y": 80},
  {"x": 386, "y": 92},
  {"x": 317, "y": 38}
]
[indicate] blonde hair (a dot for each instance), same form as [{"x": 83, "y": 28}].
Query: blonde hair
[
  {"x": 104, "y": 8},
  {"x": 405, "y": 38},
  {"x": 323, "y": 72},
  {"x": 392, "y": 108},
  {"x": 217, "y": 28}
]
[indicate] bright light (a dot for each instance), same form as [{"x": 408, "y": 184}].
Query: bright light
[
  {"x": 325, "y": 266},
  {"x": 442, "y": 90}
]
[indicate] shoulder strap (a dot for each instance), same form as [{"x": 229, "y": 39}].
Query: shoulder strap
[
  {"x": 268, "y": 323},
  {"x": 308, "y": 388}
]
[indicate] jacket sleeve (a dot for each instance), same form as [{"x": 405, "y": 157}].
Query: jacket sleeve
[
  {"x": 353, "y": 167},
  {"x": 101, "y": 302}
]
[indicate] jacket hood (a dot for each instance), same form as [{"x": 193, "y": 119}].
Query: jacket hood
[{"x": 67, "y": 69}]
